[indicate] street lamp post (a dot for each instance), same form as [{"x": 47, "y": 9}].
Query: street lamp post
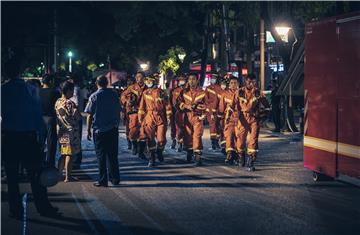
[
  {"x": 262, "y": 55},
  {"x": 70, "y": 54}
]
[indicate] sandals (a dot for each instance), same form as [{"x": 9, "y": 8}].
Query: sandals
[{"x": 71, "y": 179}]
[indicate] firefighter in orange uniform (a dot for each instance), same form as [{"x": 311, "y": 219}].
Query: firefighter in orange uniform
[
  {"x": 177, "y": 118},
  {"x": 212, "y": 104},
  {"x": 132, "y": 95},
  {"x": 220, "y": 115},
  {"x": 254, "y": 106},
  {"x": 125, "y": 110},
  {"x": 154, "y": 115},
  {"x": 229, "y": 108},
  {"x": 192, "y": 102}
]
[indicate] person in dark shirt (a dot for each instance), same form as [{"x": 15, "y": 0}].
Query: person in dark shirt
[
  {"x": 48, "y": 97},
  {"x": 21, "y": 125},
  {"x": 103, "y": 115}
]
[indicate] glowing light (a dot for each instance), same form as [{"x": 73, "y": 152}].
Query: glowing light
[
  {"x": 182, "y": 57},
  {"x": 283, "y": 32},
  {"x": 144, "y": 66}
]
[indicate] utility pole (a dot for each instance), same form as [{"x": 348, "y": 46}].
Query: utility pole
[
  {"x": 109, "y": 64},
  {"x": 55, "y": 42},
  {"x": 262, "y": 55},
  {"x": 226, "y": 39},
  {"x": 205, "y": 49}
]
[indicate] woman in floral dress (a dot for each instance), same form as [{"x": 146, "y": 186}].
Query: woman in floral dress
[{"x": 68, "y": 117}]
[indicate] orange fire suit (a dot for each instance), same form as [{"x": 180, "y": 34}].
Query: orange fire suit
[
  {"x": 212, "y": 104},
  {"x": 123, "y": 103},
  {"x": 154, "y": 111},
  {"x": 177, "y": 118},
  {"x": 254, "y": 106},
  {"x": 230, "y": 110},
  {"x": 220, "y": 119},
  {"x": 132, "y": 96},
  {"x": 192, "y": 102}
]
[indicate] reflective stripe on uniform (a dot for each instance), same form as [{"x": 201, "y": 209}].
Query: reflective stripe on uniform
[
  {"x": 243, "y": 99},
  {"x": 148, "y": 97},
  {"x": 228, "y": 100},
  {"x": 135, "y": 92},
  {"x": 229, "y": 149},
  {"x": 199, "y": 97},
  {"x": 211, "y": 91},
  {"x": 187, "y": 97},
  {"x": 253, "y": 99},
  {"x": 252, "y": 150}
]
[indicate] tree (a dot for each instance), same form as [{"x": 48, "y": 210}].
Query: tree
[{"x": 171, "y": 60}]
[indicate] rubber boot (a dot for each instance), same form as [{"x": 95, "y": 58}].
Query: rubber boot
[
  {"x": 142, "y": 146},
  {"x": 129, "y": 144},
  {"x": 159, "y": 153},
  {"x": 189, "y": 155},
  {"x": 198, "y": 159},
  {"x": 134, "y": 147},
  {"x": 229, "y": 158},
  {"x": 241, "y": 159},
  {"x": 173, "y": 145},
  {"x": 217, "y": 144},
  {"x": 152, "y": 159},
  {"x": 180, "y": 148},
  {"x": 213, "y": 144},
  {"x": 236, "y": 158},
  {"x": 250, "y": 163}
]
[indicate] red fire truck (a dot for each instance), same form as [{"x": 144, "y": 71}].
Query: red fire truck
[{"x": 332, "y": 98}]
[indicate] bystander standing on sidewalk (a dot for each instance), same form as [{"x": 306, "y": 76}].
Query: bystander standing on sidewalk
[{"x": 103, "y": 115}]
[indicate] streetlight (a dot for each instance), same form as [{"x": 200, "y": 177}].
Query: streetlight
[
  {"x": 182, "y": 56},
  {"x": 283, "y": 32},
  {"x": 144, "y": 66},
  {"x": 70, "y": 54}
]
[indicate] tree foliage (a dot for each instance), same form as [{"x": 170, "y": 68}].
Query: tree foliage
[{"x": 171, "y": 60}]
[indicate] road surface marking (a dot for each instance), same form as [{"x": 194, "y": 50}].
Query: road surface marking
[
  {"x": 86, "y": 217},
  {"x": 111, "y": 222},
  {"x": 147, "y": 217}
]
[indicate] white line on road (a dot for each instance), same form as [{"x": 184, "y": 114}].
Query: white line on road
[
  {"x": 130, "y": 203},
  {"x": 86, "y": 217},
  {"x": 111, "y": 222}
]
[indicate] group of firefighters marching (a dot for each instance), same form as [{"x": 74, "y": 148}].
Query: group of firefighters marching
[{"x": 233, "y": 115}]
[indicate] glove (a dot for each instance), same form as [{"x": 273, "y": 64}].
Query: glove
[{"x": 212, "y": 117}]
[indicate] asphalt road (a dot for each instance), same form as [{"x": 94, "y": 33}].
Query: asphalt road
[{"x": 178, "y": 198}]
